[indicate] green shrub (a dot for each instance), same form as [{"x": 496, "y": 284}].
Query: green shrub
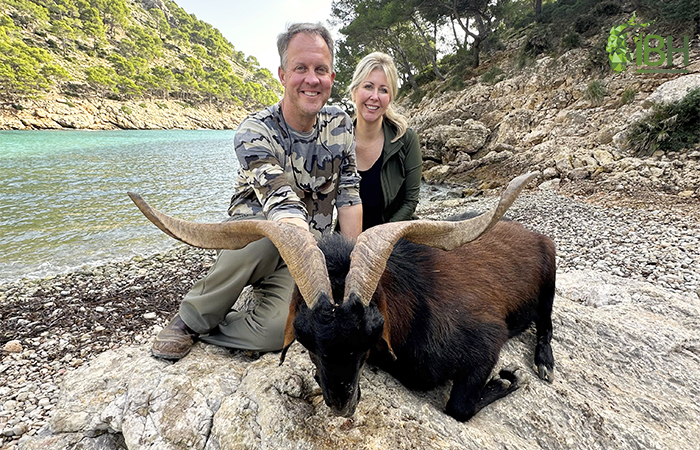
[
  {"x": 607, "y": 8},
  {"x": 456, "y": 83},
  {"x": 493, "y": 76},
  {"x": 426, "y": 76},
  {"x": 143, "y": 105},
  {"x": 598, "y": 59},
  {"x": 585, "y": 23},
  {"x": 571, "y": 40},
  {"x": 595, "y": 92},
  {"x": 628, "y": 95},
  {"x": 538, "y": 40},
  {"x": 668, "y": 127},
  {"x": 417, "y": 95},
  {"x": 126, "y": 110}
]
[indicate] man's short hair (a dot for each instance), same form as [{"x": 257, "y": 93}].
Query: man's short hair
[{"x": 308, "y": 28}]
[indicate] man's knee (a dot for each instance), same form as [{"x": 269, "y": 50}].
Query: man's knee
[{"x": 268, "y": 331}]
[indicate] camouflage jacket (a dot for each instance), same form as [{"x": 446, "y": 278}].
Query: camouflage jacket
[{"x": 287, "y": 173}]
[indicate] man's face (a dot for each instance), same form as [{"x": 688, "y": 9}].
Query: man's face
[{"x": 307, "y": 80}]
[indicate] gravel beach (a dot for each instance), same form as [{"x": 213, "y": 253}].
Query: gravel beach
[{"x": 52, "y": 326}]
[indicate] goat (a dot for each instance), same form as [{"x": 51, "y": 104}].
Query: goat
[{"x": 426, "y": 315}]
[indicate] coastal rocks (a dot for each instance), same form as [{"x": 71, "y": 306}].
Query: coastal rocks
[
  {"x": 610, "y": 337},
  {"x": 514, "y": 126},
  {"x": 56, "y": 112},
  {"x": 63, "y": 321},
  {"x": 78, "y": 121}
]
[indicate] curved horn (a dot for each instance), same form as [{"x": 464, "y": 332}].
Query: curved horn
[
  {"x": 297, "y": 246},
  {"x": 374, "y": 246}
]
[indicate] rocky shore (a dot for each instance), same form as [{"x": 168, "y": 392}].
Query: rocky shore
[
  {"x": 55, "y": 111},
  {"x": 53, "y": 326}
]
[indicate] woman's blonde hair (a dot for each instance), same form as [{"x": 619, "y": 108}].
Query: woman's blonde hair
[{"x": 379, "y": 60}]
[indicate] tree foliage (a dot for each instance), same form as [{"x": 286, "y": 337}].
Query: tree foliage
[
  {"x": 409, "y": 30},
  {"x": 162, "y": 53},
  {"x": 435, "y": 39}
]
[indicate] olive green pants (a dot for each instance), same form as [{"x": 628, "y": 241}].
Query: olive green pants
[{"x": 207, "y": 307}]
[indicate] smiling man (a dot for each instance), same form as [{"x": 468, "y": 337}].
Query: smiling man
[{"x": 297, "y": 163}]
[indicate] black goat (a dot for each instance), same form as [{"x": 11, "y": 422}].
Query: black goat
[
  {"x": 425, "y": 315},
  {"x": 435, "y": 316}
]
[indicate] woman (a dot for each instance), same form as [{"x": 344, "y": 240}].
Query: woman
[{"x": 388, "y": 152}]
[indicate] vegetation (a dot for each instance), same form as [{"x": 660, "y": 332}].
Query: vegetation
[
  {"x": 595, "y": 92},
  {"x": 443, "y": 41},
  {"x": 668, "y": 127},
  {"x": 116, "y": 49},
  {"x": 628, "y": 96},
  {"x": 493, "y": 76}
]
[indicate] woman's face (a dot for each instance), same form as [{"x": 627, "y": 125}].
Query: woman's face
[{"x": 372, "y": 96}]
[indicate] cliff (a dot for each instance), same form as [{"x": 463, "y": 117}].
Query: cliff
[
  {"x": 545, "y": 118},
  {"x": 56, "y": 111}
]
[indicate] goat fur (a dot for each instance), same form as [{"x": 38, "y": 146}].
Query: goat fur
[{"x": 435, "y": 316}]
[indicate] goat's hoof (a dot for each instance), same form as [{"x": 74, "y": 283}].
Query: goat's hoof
[
  {"x": 545, "y": 373},
  {"x": 514, "y": 376},
  {"x": 315, "y": 392},
  {"x": 315, "y": 397}
]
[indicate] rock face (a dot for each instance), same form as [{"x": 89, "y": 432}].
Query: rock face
[
  {"x": 55, "y": 112},
  {"x": 542, "y": 117},
  {"x": 627, "y": 376}
]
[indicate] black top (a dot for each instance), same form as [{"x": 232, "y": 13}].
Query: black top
[{"x": 371, "y": 195}]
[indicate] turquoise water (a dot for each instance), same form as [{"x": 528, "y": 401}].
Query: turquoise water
[{"x": 63, "y": 202}]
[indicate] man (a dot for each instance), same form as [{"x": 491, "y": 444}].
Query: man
[{"x": 297, "y": 162}]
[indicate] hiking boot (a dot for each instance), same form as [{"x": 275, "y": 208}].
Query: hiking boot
[{"x": 174, "y": 341}]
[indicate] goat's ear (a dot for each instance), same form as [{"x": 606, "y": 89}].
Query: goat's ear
[
  {"x": 386, "y": 332},
  {"x": 289, "y": 336}
]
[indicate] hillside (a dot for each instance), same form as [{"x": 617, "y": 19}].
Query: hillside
[
  {"x": 545, "y": 99},
  {"x": 140, "y": 63}
]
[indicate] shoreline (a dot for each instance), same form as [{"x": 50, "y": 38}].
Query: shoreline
[
  {"x": 64, "y": 321},
  {"x": 55, "y": 111}
]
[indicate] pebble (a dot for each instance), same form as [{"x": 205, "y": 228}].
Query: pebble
[
  {"x": 656, "y": 244},
  {"x": 13, "y": 346},
  {"x": 150, "y": 316}
]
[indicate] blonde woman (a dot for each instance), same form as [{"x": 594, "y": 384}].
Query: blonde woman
[{"x": 388, "y": 152}]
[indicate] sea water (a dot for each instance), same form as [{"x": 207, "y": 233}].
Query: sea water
[{"x": 63, "y": 201}]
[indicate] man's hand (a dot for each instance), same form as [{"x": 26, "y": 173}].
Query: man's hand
[{"x": 301, "y": 223}]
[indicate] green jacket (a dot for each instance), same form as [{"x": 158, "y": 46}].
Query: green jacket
[{"x": 402, "y": 167}]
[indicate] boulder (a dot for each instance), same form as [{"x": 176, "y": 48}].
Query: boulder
[
  {"x": 627, "y": 375},
  {"x": 470, "y": 137},
  {"x": 673, "y": 91},
  {"x": 514, "y": 126}
]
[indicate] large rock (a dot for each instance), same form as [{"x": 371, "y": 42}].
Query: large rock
[
  {"x": 674, "y": 90},
  {"x": 514, "y": 126},
  {"x": 627, "y": 377},
  {"x": 444, "y": 143}
]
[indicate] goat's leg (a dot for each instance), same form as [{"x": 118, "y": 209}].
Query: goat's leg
[
  {"x": 471, "y": 394},
  {"x": 544, "y": 359}
]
